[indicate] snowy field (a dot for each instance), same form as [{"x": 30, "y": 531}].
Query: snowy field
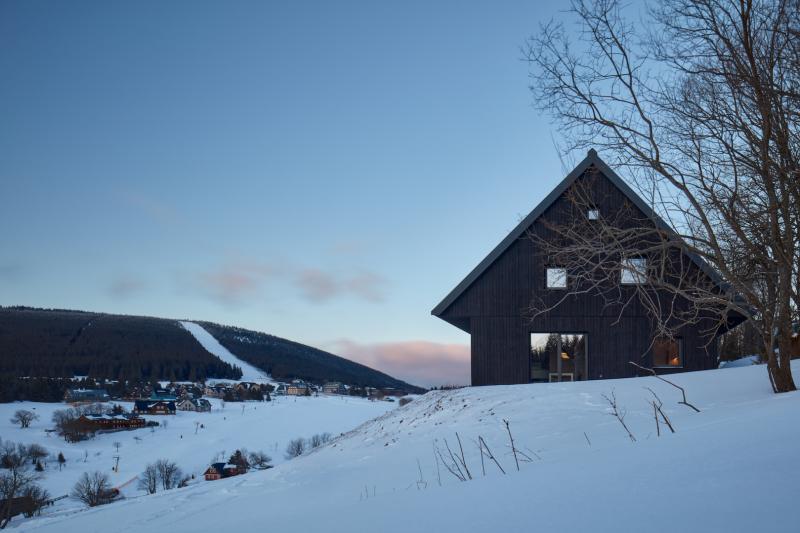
[
  {"x": 266, "y": 426},
  {"x": 731, "y": 467}
]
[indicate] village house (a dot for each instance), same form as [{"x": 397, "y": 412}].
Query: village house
[
  {"x": 150, "y": 407},
  {"x": 190, "y": 404},
  {"x": 220, "y": 470},
  {"x": 334, "y": 387},
  {"x": 20, "y": 505},
  {"x": 163, "y": 395},
  {"x": 111, "y": 422},
  {"x": 297, "y": 388},
  {"x": 86, "y": 395},
  {"x": 580, "y": 337},
  {"x": 215, "y": 391}
]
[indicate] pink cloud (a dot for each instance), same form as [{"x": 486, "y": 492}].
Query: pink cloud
[
  {"x": 318, "y": 286},
  {"x": 124, "y": 287},
  {"x": 236, "y": 282},
  {"x": 418, "y": 362}
]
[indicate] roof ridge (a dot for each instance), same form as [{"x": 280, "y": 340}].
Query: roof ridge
[{"x": 592, "y": 158}]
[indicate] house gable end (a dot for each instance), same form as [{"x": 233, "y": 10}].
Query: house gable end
[{"x": 459, "y": 304}]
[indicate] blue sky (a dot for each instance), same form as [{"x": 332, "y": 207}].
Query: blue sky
[{"x": 325, "y": 172}]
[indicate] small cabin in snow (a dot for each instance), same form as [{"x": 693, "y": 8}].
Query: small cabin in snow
[{"x": 220, "y": 470}]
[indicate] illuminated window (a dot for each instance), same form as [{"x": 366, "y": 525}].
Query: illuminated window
[
  {"x": 593, "y": 214},
  {"x": 668, "y": 353},
  {"x": 556, "y": 278},
  {"x": 634, "y": 271}
]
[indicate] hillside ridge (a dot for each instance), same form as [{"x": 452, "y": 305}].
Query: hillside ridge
[{"x": 39, "y": 342}]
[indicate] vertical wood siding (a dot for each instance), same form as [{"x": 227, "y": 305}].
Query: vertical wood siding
[{"x": 496, "y": 306}]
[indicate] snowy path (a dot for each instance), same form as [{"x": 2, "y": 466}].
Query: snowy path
[{"x": 249, "y": 372}]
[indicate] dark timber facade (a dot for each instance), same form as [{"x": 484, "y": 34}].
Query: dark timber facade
[{"x": 492, "y": 302}]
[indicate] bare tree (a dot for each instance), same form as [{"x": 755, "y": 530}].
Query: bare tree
[
  {"x": 295, "y": 448},
  {"x": 36, "y": 452},
  {"x": 318, "y": 440},
  {"x": 37, "y": 498},
  {"x": 701, "y": 107},
  {"x": 93, "y": 489},
  {"x": 259, "y": 460},
  {"x": 23, "y": 417},
  {"x": 169, "y": 474},
  {"x": 148, "y": 480},
  {"x": 15, "y": 480}
]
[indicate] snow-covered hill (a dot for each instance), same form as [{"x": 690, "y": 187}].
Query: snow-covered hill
[
  {"x": 731, "y": 467},
  {"x": 265, "y": 426},
  {"x": 212, "y": 345}
]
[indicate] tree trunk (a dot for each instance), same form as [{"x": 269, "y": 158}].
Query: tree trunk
[{"x": 780, "y": 364}]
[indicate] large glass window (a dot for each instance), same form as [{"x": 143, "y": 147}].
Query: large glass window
[
  {"x": 634, "y": 271},
  {"x": 668, "y": 352},
  {"x": 558, "y": 357}
]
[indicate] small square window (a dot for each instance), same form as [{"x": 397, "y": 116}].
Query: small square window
[
  {"x": 593, "y": 214},
  {"x": 556, "y": 278},
  {"x": 668, "y": 353},
  {"x": 634, "y": 271}
]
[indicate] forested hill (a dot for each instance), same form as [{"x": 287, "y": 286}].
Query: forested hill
[
  {"x": 63, "y": 343},
  {"x": 285, "y": 359}
]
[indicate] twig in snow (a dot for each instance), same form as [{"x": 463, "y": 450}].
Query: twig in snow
[
  {"x": 683, "y": 391},
  {"x": 421, "y": 483},
  {"x": 615, "y": 412},
  {"x": 480, "y": 449},
  {"x": 451, "y": 466},
  {"x": 657, "y": 405},
  {"x": 489, "y": 454},
  {"x": 438, "y": 472},
  {"x": 513, "y": 447},
  {"x": 462, "y": 458}
]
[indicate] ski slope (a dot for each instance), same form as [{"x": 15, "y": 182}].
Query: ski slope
[
  {"x": 732, "y": 467},
  {"x": 212, "y": 345}
]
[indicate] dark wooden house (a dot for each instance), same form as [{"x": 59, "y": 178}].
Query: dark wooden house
[{"x": 580, "y": 338}]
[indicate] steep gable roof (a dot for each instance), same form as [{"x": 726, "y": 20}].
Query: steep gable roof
[{"x": 591, "y": 159}]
